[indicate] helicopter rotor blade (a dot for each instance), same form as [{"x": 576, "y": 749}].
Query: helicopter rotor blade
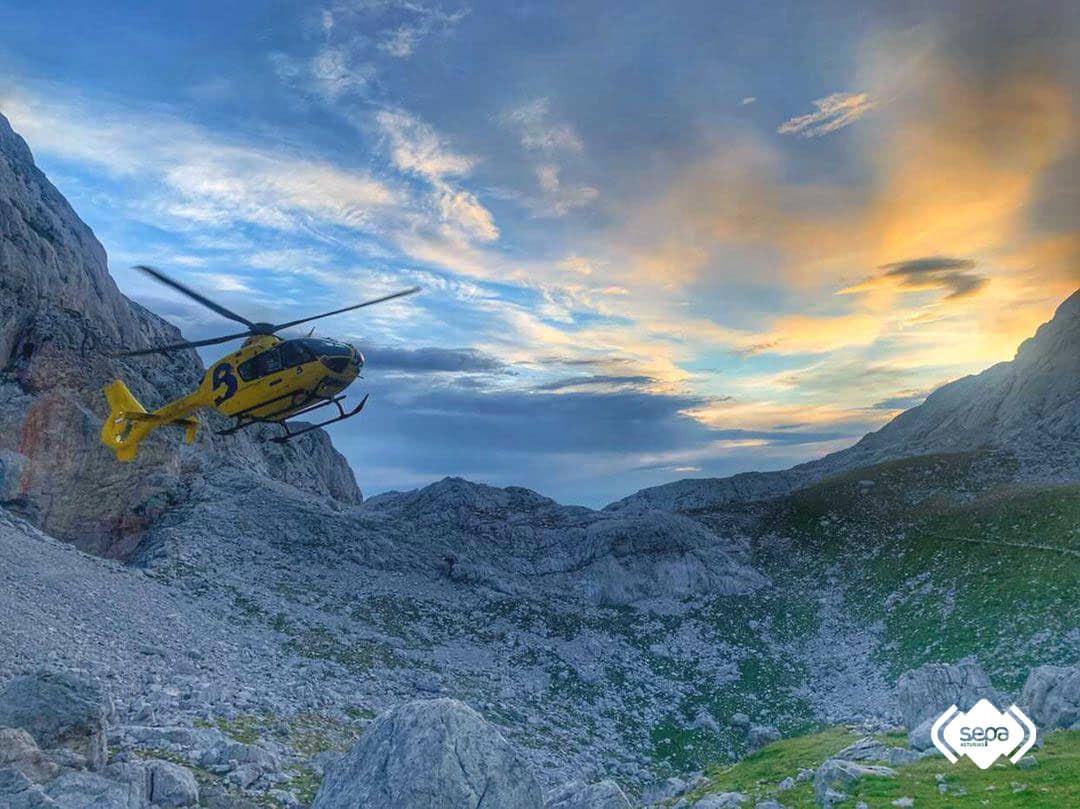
[
  {"x": 195, "y": 296},
  {"x": 400, "y": 294},
  {"x": 179, "y": 346}
]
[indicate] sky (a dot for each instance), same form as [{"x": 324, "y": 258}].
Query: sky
[{"x": 655, "y": 240}]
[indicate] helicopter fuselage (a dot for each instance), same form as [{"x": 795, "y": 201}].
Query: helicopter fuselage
[{"x": 270, "y": 378}]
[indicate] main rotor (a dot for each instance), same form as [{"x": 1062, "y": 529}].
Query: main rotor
[{"x": 253, "y": 329}]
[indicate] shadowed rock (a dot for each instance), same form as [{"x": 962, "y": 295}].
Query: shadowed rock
[
  {"x": 59, "y": 709},
  {"x": 437, "y": 754}
]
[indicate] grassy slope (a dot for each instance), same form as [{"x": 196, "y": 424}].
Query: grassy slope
[
  {"x": 895, "y": 540},
  {"x": 932, "y": 547},
  {"x": 1053, "y": 784}
]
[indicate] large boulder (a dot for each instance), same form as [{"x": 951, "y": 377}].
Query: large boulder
[
  {"x": 59, "y": 709},
  {"x": 1052, "y": 696},
  {"x": 19, "y": 751},
  {"x": 722, "y": 800},
  {"x": 924, "y": 693},
  {"x": 836, "y": 777},
  {"x": 433, "y": 754},
  {"x": 579, "y": 795}
]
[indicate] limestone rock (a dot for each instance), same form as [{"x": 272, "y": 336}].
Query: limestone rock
[
  {"x": 437, "y": 754},
  {"x": 19, "y": 751},
  {"x": 171, "y": 785},
  {"x": 579, "y": 795},
  {"x": 722, "y": 800},
  {"x": 761, "y": 735},
  {"x": 924, "y": 693},
  {"x": 59, "y": 709},
  {"x": 61, "y": 318},
  {"x": 1052, "y": 695},
  {"x": 836, "y": 776}
]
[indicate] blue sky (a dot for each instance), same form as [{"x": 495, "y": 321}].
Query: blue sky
[{"x": 656, "y": 240}]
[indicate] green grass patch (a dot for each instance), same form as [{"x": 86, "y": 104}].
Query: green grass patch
[{"x": 1053, "y": 784}]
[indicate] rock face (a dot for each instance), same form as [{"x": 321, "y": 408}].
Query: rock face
[
  {"x": 1028, "y": 407},
  {"x": 19, "y": 751},
  {"x": 924, "y": 693},
  {"x": 61, "y": 316},
  {"x": 58, "y": 709},
  {"x": 437, "y": 754},
  {"x": 1052, "y": 694}
]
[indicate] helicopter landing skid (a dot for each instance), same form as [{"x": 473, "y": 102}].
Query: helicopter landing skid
[{"x": 342, "y": 415}]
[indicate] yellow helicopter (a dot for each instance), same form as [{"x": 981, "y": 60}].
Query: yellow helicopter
[{"x": 268, "y": 380}]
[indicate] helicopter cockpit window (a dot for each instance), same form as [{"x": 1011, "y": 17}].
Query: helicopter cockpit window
[
  {"x": 269, "y": 362},
  {"x": 294, "y": 353}
]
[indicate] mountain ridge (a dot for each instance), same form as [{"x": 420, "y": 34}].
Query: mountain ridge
[{"x": 984, "y": 410}]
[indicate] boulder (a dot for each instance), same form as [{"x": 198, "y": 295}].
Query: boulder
[
  {"x": 722, "y": 800},
  {"x": 172, "y": 785},
  {"x": 20, "y": 752},
  {"x": 761, "y": 735},
  {"x": 579, "y": 795},
  {"x": 924, "y": 693},
  {"x": 836, "y": 776},
  {"x": 430, "y": 754},
  {"x": 865, "y": 749},
  {"x": 60, "y": 710},
  {"x": 90, "y": 790},
  {"x": 1052, "y": 697},
  {"x": 769, "y": 803},
  {"x": 17, "y": 792}
]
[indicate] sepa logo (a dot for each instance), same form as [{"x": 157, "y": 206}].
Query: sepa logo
[{"x": 983, "y": 734}]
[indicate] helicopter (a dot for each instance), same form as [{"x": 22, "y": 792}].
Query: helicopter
[{"x": 269, "y": 379}]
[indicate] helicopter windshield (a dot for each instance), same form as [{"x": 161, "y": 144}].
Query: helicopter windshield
[{"x": 323, "y": 347}]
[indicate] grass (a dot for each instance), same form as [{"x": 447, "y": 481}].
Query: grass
[
  {"x": 934, "y": 547},
  {"x": 1053, "y": 784}
]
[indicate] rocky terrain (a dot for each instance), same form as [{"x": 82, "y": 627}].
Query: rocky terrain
[{"x": 237, "y": 617}]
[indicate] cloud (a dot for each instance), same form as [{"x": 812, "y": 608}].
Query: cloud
[
  {"x": 431, "y": 359},
  {"x": 207, "y": 179},
  {"x": 417, "y": 149},
  {"x": 748, "y": 100},
  {"x": 833, "y": 112},
  {"x": 421, "y": 22},
  {"x": 538, "y": 130},
  {"x": 903, "y": 400},
  {"x": 931, "y": 272},
  {"x": 608, "y": 381},
  {"x": 559, "y": 199}
]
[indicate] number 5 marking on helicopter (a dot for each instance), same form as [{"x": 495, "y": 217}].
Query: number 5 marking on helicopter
[{"x": 223, "y": 375}]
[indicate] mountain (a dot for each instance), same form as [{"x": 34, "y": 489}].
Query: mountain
[
  {"x": 1025, "y": 409},
  {"x": 61, "y": 316},
  {"x": 263, "y": 612}
]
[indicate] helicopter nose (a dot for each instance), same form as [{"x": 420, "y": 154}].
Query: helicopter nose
[{"x": 357, "y": 358}]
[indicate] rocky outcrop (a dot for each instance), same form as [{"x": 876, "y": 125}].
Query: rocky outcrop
[
  {"x": 1052, "y": 697},
  {"x": 437, "y": 754},
  {"x": 515, "y": 540},
  {"x": 1028, "y": 407},
  {"x": 19, "y": 751},
  {"x": 58, "y": 709},
  {"x": 836, "y": 777},
  {"x": 579, "y": 795},
  {"x": 924, "y": 693},
  {"x": 61, "y": 316}
]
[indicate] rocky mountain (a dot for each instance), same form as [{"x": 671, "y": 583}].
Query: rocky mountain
[
  {"x": 61, "y": 316},
  {"x": 264, "y": 614},
  {"x": 1027, "y": 409}
]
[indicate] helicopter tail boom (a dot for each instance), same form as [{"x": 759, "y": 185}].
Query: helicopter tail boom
[{"x": 128, "y": 423}]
